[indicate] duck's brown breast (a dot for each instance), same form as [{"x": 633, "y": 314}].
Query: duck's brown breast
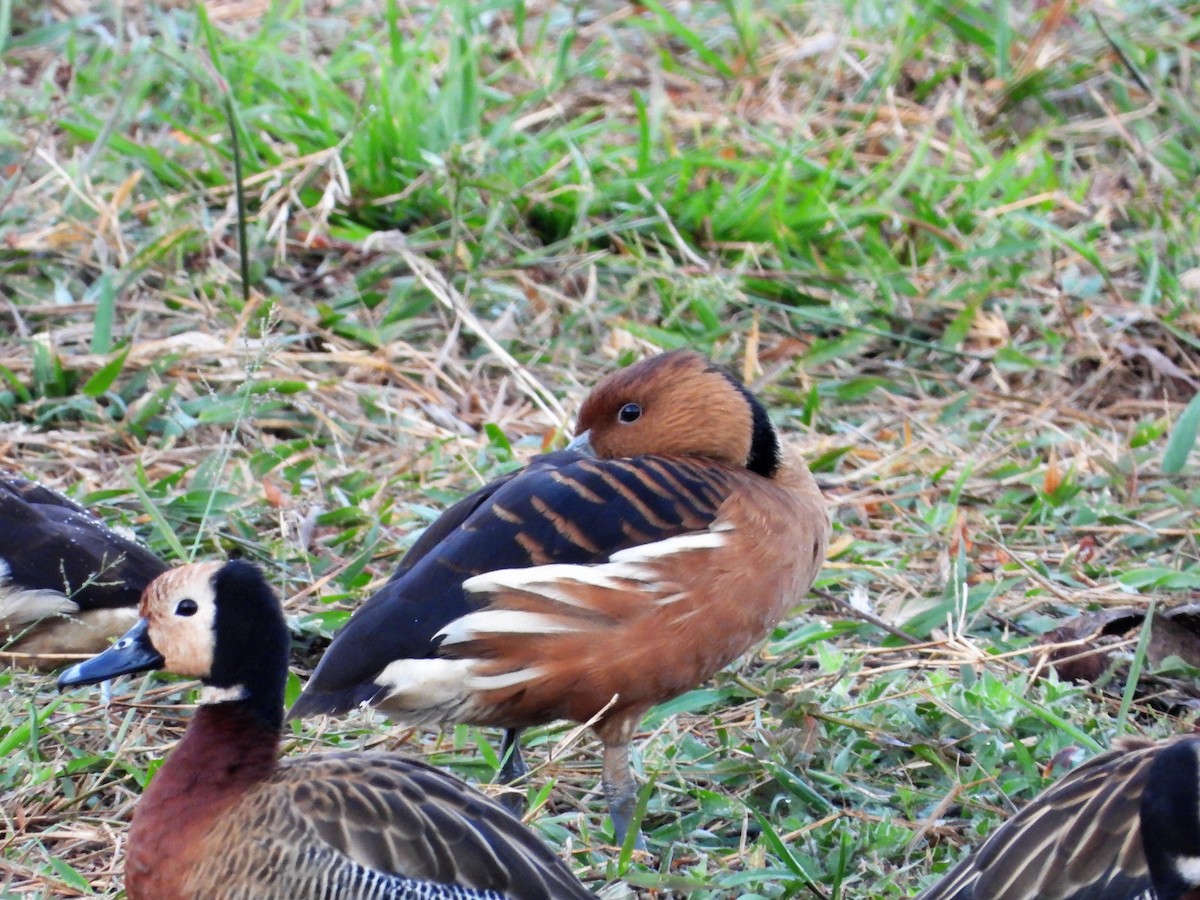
[{"x": 180, "y": 817}]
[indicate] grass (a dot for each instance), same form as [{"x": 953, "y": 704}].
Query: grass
[{"x": 952, "y": 245}]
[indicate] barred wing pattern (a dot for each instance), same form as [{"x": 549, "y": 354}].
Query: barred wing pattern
[
  {"x": 1081, "y": 839},
  {"x": 368, "y": 825}
]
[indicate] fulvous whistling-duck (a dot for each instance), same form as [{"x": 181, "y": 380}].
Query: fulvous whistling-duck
[
  {"x": 1123, "y": 826},
  {"x": 68, "y": 583},
  {"x": 673, "y": 533},
  {"x": 224, "y": 818}
]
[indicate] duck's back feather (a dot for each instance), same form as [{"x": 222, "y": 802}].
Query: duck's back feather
[
  {"x": 52, "y": 543},
  {"x": 58, "y": 559}
]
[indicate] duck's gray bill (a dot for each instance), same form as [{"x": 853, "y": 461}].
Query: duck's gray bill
[{"x": 133, "y": 652}]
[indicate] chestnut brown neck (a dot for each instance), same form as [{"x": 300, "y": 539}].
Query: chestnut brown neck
[{"x": 227, "y": 750}]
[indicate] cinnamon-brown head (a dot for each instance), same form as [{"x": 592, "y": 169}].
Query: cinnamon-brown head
[{"x": 679, "y": 404}]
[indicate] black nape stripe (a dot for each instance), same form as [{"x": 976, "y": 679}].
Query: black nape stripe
[
  {"x": 764, "y": 455},
  {"x": 252, "y": 639},
  {"x": 1169, "y": 819}
]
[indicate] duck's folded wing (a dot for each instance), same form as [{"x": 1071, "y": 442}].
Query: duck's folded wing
[
  {"x": 452, "y": 519},
  {"x": 1078, "y": 840},
  {"x": 30, "y": 495},
  {"x": 579, "y": 512},
  {"x": 376, "y": 825},
  {"x": 50, "y": 543}
]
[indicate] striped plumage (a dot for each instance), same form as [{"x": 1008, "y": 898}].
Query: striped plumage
[
  {"x": 668, "y": 538},
  {"x": 68, "y": 583},
  {"x": 224, "y": 818},
  {"x": 1125, "y": 825}
]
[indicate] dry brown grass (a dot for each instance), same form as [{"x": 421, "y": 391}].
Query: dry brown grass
[{"x": 994, "y": 419}]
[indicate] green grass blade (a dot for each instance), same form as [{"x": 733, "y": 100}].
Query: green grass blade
[{"x": 1182, "y": 438}]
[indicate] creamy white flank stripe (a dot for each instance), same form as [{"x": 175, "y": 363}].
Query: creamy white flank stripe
[
  {"x": 648, "y": 553},
  {"x": 673, "y": 599},
  {"x": 503, "y": 680},
  {"x": 631, "y": 564},
  {"x": 502, "y": 621},
  {"x": 430, "y": 690},
  {"x": 85, "y": 632},
  {"x": 19, "y": 608},
  {"x": 424, "y": 683},
  {"x": 626, "y": 570},
  {"x": 541, "y": 579}
]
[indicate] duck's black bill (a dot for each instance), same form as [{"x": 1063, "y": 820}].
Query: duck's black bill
[{"x": 133, "y": 652}]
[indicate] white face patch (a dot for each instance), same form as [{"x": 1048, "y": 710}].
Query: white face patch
[{"x": 181, "y": 609}]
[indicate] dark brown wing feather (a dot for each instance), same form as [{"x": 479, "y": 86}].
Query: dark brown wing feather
[
  {"x": 1078, "y": 840},
  {"x": 452, "y": 519},
  {"x": 369, "y": 825},
  {"x": 52, "y": 543}
]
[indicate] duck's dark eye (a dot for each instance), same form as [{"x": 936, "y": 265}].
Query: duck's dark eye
[
  {"x": 186, "y": 607},
  {"x": 630, "y": 412}
]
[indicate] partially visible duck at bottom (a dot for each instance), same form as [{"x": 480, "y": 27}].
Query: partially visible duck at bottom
[
  {"x": 1123, "y": 826},
  {"x": 225, "y": 818},
  {"x": 69, "y": 584}
]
